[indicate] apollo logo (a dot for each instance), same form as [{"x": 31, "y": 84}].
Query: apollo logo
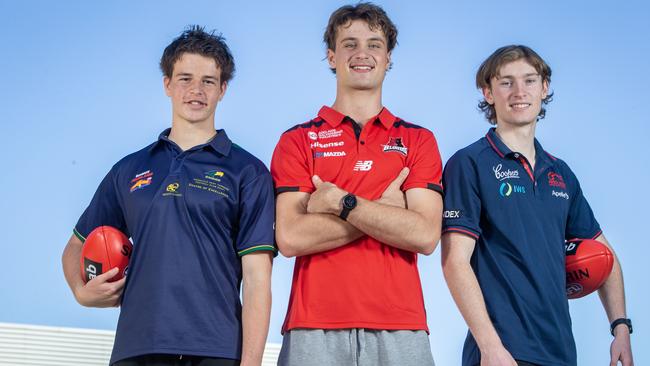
[
  {"x": 560, "y": 194},
  {"x": 506, "y": 189},
  {"x": 363, "y": 166}
]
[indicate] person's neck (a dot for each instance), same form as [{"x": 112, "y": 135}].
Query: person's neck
[
  {"x": 360, "y": 105},
  {"x": 187, "y": 135},
  {"x": 520, "y": 139}
]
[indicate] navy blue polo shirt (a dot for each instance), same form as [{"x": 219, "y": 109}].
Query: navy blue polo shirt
[
  {"x": 191, "y": 215},
  {"x": 520, "y": 219}
]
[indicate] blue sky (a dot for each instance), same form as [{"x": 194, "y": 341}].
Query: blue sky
[{"x": 82, "y": 88}]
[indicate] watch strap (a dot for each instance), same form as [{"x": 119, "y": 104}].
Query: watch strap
[{"x": 620, "y": 321}]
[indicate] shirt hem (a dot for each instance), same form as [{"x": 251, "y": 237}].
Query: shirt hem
[
  {"x": 349, "y": 325},
  {"x": 171, "y": 351}
]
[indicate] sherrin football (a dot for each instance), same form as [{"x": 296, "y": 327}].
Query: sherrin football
[
  {"x": 588, "y": 264},
  {"x": 104, "y": 249}
]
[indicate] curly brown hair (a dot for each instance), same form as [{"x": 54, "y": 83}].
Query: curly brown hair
[
  {"x": 197, "y": 41},
  {"x": 490, "y": 69},
  {"x": 370, "y": 13}
]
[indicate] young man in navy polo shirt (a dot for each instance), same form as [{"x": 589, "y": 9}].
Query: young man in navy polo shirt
[
  {"x": 200, "y": 211},
  {"x": 355, "y": 229},
  {"x": 509, "y": 207}
]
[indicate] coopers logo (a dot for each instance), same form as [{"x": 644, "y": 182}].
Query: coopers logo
[
  {"x": 501, "y": 174},
  {"x": 507, "y": 189}
]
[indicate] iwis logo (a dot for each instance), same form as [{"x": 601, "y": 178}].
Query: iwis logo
[
  {"x": 506, "y": 189},
  {"x": 396, "y": 144}
]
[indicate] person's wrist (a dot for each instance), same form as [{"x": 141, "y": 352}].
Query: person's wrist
[{"x": 621, "y": 326}]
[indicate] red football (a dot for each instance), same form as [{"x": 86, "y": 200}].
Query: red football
[
  {"x": 588, "y": 264},
  {"x": 105, "y": 248}
]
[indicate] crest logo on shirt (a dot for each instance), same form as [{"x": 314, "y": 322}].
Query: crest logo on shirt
[
  {"x": 141, "y": 180},
  {"x": 501, "y": 174},
  {"x": 172, "y": 190},
  {"x": 506, "y": 189},
  {"x": 395, "y": 144},
  {"x": 556, "y": 180},
  {"x": 363, "y": 166}
]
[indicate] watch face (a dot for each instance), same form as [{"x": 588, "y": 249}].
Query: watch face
[{"x": 350, "y": 201}]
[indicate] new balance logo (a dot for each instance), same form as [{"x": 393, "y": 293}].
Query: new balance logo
[{"x": 363, "y": 166}]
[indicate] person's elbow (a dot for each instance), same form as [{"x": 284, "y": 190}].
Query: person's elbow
[
  {"x": 287, "y": 241},
  {"x": 427, "y": 241}
]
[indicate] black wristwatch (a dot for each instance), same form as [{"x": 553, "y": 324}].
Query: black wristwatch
[
  {"x": 349, "y": 202},
  {"x": 620, "y": 321}
]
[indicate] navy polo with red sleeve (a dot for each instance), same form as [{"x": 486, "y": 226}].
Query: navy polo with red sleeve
[
  {"x": 520, "y": 219},
  {"x": 191, "y": 215}
]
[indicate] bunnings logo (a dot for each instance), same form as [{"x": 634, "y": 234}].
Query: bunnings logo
[{"x": 506, "y": 189}]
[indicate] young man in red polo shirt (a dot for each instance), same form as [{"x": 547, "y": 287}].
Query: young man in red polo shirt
[{"x": 358, "y": 197}]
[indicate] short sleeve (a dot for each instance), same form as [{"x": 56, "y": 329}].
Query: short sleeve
[
  {"x": 462, "y": 203},
  {"x": 424, "y": 164},
  {"x": 581, "y": 223},
  {"x": 257, "y": 216},
  {"x": 104, "y": 209},
  {"x": 290, "y": 165}
]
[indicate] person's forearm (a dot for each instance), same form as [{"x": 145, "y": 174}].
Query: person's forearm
[
  {"x": 314, "y": 233},
  {"x": 467, "y": 294},
  {"x": 256, "y": 313},
  {"x": 70, "y": 260},
  {"x": 398, "y": 227},
  {"x": 612, "y": 293}
]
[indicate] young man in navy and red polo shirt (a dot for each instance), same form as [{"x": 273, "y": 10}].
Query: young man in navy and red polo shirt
[
  {"x": 509, "y": 207},
  {"x": 200, "y": 211},
  {"x": 358, "y": 198}
]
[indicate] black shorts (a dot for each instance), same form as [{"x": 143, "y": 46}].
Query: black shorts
[{"x": 176, "y": 360}]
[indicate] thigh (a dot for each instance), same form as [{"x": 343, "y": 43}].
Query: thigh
[
  {"x": 318, "y": 347},
  {"x": 394, "y": 348}
]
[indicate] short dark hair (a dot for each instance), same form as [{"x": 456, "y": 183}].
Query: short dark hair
[
  {"x": 196, "y": 40},
  {"x": 490, "y": 69},
  {"x": 370, "y": 13}
]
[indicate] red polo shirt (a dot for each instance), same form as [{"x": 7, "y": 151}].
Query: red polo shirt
[{"x": 364, "y": 284}]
